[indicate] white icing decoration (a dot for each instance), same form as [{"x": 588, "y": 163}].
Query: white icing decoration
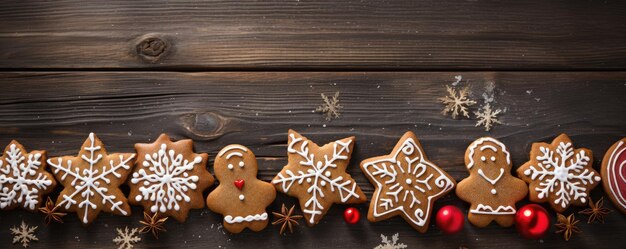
[
  {"x": 480, "y": 141},
  {"x": 241, "y": 197},
  {"x": 230, "y": 166},
  {"x": 482, "y": 158},
  {"x": 613, "y": 179},
  {"x": 568, "y": 174},
  {"x": 414, "y": 166},
  {"x": 493, "y": 158},
  {"x": 494, "y": 191},
  {"x": 232, "y": 147},
  {"x": 249, "y": 218},
  {"x": 25, "y": 186},
  {"x": 492, "y": 181},
  {"x": 486, "y": 209},
  {"x": 167, "y": 179},
  {"x": 241, "y": 164},
  {"x": 316, "y": 175},
  {"x": 87, "y": 181}
]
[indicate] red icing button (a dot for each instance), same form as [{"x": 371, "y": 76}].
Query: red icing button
[{"x": 239, "y": 183}]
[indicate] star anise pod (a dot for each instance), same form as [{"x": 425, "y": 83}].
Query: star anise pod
[
  {"x": 50, "y": 210},
  {"x": 152, "y": 224},
  {"x": 286, "y": 219},
  {"x": 596, "y": 211},
  {"x": 567, "y": 226}
]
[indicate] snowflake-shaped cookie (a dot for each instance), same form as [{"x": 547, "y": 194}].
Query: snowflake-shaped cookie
[
  {"x": 317, "y": 175},
  {"x": 23, "y": 177},
  {"x": 406, "y": 183},
  {"x": 559, "y": 174},
  {"x": 169, "y": 178},
  {"x": 91, "y": 180}
]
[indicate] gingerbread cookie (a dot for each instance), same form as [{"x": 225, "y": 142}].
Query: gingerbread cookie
[
  {"x": 240, "y": 197},
  {"x": 490, "y": 187},
  {"x": 317, "y": 176},
  {"x": 91, "y": 180},
  {"x": 613, "y": 173},
  {"x": 406, "y": 183},
  {"x": 23, "y": 178},
  {"x": 559, "y": 174},
  {"x": 169, "y": 178}
]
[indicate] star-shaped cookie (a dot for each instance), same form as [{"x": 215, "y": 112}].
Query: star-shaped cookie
[
  {"x": 317, "y": 176},
  {"x": 23, "y": 177},
  {"x": 169, "y": 178},
  {"x": 406, "y": 183},
  {"x": 91, "y": 180},
  {"x": 559, "y": 174}
]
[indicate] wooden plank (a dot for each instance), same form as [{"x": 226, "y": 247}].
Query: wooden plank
[
  {"x": 317, "y": 35},
  {"x": 56, "y": 111}
]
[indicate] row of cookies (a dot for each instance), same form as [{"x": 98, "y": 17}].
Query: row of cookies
[{"x": 168, "y": 178}]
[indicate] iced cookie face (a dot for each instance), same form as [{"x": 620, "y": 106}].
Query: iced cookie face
[
  {"x": 489, "y": 159},
  {"x": 235, "y": 163}
]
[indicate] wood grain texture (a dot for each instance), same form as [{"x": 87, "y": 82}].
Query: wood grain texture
[
  {"x": 313, "y": 35},
  {"x": 56, "y": 111}
]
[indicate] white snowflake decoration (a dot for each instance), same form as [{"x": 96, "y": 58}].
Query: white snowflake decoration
[
  {"x": 390, "y": 244},
  {"x": 24, "y": 234},
  {"x": 88, "y": 182},
  {"x": 126, "y": 237},
  {"x": 569, "y": 174},
  {"x": 487, "y": 117},
  {"x": 318, "y": 175},
  {"x": 25, "y": 185},
  {"x": 167, "y": 181}
]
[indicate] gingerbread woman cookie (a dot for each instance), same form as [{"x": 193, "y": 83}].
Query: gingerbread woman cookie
[
  {"x": 613, "y": 173},
  {"x": 559, "y": 174},
  {"x": 240, "y": 197},
  {"x": 23, "y": 178},
  {"x": 317, "y": 176},
  {"x": 91, "y": 180},
  {"x": 490, "y": 187},
  {"x": 169, "y": 178},
  {"x": 406, "y": 183}
]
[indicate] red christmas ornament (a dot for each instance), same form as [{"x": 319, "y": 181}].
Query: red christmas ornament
[
  {"x": 450, "y": 219},
  {"x": 532, "y": 221},
  {"x": 351, "y": 215}
]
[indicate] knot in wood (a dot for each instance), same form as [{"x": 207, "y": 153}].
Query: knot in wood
[{"x": 152, "y": 48}]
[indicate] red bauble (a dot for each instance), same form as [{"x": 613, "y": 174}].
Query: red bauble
[
  {"x": 351, "y": 215},
  {"x": 450, "y": 219},
  {"x": 532, "y": 221}
]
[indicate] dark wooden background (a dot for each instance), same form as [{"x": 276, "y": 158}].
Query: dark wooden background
[{"x": 222, "y": 72}]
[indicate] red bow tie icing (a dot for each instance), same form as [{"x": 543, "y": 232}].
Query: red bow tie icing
[{"x": 239, "y": 183}]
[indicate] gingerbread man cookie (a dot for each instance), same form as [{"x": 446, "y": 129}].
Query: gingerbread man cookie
[
  {"x": 91, "y": 180},
  {"x": 317, "y": 176},
  {"x": 240, "y": 197},
  {"x": 406, "y": 183},
  {"x": 613, "y": 173},
  {"x": 169, "y": 178},
  {"x": 559, "y": 174},
  {"x": 490, "y": 187},
  {"x": 23, "y": 178}
]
